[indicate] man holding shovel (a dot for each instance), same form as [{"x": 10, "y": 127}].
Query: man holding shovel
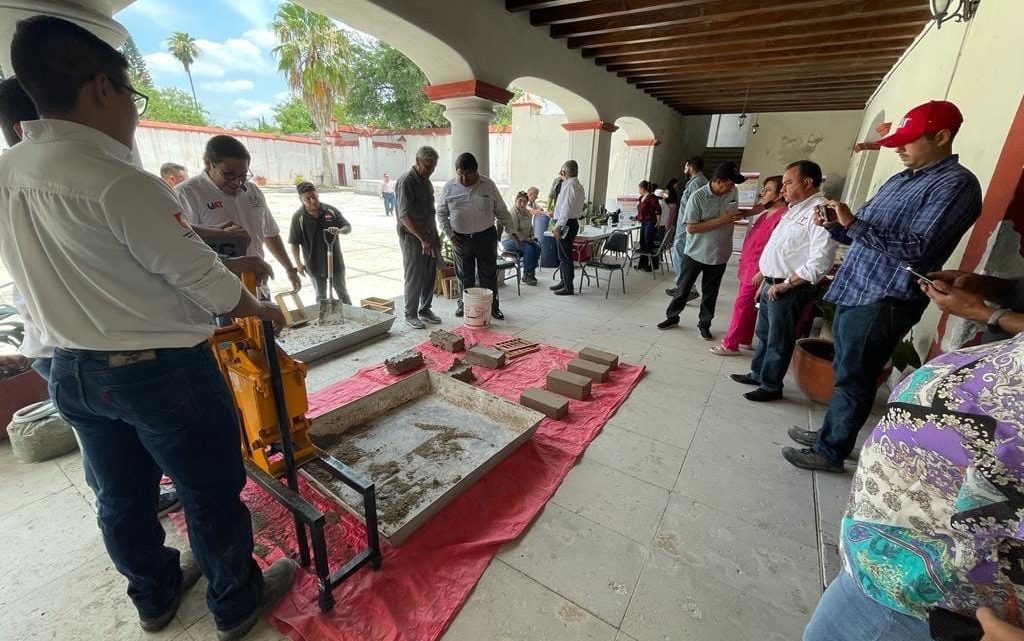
[{"x": 315, "y": 228}]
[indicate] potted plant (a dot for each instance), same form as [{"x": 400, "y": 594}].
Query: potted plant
[
  {"x": 19, "y": 383},
  {"x": 812, "y": 369}
]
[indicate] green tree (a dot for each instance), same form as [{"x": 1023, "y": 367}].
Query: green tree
[
  {"x": 386, "y": 90},
  {"x": 503, "y": 113},
  {"x": 183, "y": 47},
  {"x": 312, "y": 54},
  {"x": 138, "y": 73},
  {"x": 293, "y": 118},
  {"x": 170, "y": 104}
]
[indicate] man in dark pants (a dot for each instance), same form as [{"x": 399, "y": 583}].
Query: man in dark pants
[
  {"x": 417, "y": 236},
  {"x": 797, "y": 256},
  {"x": 916, "y": 219},
  {"x": 124, "y": 289},
  {"x": 568, "y": 209},
  {"x": 709, "y": 217},
  {"x": 470, "y": 204},
  {"x": 313, "y": 225}
]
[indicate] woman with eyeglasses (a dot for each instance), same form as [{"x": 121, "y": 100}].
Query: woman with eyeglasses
[{"x": 221, "y": 201}]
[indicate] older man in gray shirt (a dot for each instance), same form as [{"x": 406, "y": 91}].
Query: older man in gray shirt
[
  {"x": 417, "y": 235},
  {"x": 469, "y": 205}
]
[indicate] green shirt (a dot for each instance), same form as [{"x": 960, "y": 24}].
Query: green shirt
[{"x": 711, "y": 247}]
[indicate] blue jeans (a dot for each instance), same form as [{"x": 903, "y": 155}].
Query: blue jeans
[
  {"x": 389, "y": 203},
  {"x": 865, "y": 337},
  {"x": 776, "y": 335},
  {"x": 530, "y": 250},
  {"x": 845, "y": 613},
  {"x": 172, "y": 413}
]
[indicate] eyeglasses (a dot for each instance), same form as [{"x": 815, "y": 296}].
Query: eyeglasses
[
  {"x": 230, "y": 177},
  {"x": 140, "y": 99}
]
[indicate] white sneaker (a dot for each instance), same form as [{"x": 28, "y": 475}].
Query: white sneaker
[{"x": 722, "y": 350}]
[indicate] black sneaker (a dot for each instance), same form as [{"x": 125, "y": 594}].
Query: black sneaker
[
  {"x": 761, "y": 395},
  {"x": 705, "y": 333},
  {"x": 414, "y": 322},
  {"x": 496, "y": 313},
  {"x": 672, "y": 291},
  {"x": 746, "y": 379},
  {"x": 557, "y": 286},
  {"x": 694, "y": 295},
  {"x": 671, "y": 321},
  {"x": 277, "y": 580},
  {"x": 430, "y": 317},
  {"x": 167, "y": 501},
  {"x": 189, "y": 576},
  {"x": 459, "y": 313},
  {"x": 804, "y": 437},
  {"x": 564, "y": 292},
  {"x": 808, "y": 459}
]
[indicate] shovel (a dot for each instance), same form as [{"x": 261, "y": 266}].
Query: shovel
[{"x": 331, "y": 311}]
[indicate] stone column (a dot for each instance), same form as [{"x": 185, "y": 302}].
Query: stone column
[
  {"x": 590, "y": 146},
  {"x": 103, "y": 25},
  {"x": 469, "y": 107}
]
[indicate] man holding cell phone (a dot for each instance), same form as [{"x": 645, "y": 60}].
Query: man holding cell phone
[{"x": 917, "y": 218}]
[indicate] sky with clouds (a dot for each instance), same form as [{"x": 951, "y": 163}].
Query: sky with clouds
[{"x": 236, "y": 74}]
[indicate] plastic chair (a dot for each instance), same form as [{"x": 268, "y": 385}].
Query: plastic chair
[
  {"x": 510, "y": 260},
  {"x": 616, "y": 245}
]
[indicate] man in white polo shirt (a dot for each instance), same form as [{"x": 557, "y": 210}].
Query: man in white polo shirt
[
  {"x": 797, "y": 256},
  {"x": 468, "y": 207},
  {"x": 222, "y": 196},
  {"x": 120, "y": 285}
]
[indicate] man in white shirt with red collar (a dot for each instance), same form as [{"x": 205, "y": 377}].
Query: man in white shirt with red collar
[
  {"x": 797, "y": 256},
  {"x": 221, "y": 198},
  {"x": 122, "y": 288}
]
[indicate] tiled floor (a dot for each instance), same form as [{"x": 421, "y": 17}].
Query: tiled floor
[{"x": 681, "y": 521}]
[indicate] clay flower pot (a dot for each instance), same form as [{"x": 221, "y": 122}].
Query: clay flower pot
[
  {"x": 17, "y": 392},
  {"x": 812, "y": 369}
]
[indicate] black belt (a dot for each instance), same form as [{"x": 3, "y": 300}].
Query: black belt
[
  {"x": 489, "y": 230},
  {"x": 774, "y": 281}
]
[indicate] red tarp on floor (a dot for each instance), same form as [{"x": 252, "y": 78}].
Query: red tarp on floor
[{"x": 424, "y": 582}]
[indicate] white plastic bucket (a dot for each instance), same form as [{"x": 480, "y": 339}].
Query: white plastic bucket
[{"x": 476, "y": 304}]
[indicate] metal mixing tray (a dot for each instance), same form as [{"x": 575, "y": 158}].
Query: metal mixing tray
[
  {"x": 312, "y": 341},
  {"x": 422, "y": 441}
]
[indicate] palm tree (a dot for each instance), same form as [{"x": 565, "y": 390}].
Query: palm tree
[
  {"x": 183, "y": 47},
  {"x": 313, "y": 54}
]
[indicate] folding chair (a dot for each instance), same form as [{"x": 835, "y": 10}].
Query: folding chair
[
  {"x": 663, "y": 250},
  {"x": 616, "y": 245}
]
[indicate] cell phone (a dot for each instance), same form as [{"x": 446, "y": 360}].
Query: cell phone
[
  {"x": 826, "y": 212},
  {"x": 920, "y": 277},
  {"x": 950, "y": 626}
]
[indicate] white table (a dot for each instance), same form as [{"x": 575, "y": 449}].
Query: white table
[{"x": 594, "y": 236}]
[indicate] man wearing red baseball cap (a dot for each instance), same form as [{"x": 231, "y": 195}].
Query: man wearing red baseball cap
[{"x": 915, "y": 221}]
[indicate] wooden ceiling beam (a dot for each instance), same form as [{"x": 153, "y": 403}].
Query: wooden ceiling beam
[
  {"x": 604, "y": 9},
  {"x": 782, "y": 109},
  {"x": 756, "y": 69},
  {"x": 705, "y": 14},
  {"x": 730, "y": 107},
  {"x": 761, "y": 44},
  {"x": 710, "y": 78},
  {"x": 874, "y": 52},
  {"x": 748, "y": 37},
  {"x": 516, "y": 6},
  {"x": 772, "y": 92},
  {"x": 872, "y": 12}
]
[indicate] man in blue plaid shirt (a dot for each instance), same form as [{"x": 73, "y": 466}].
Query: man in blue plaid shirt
[{"x": 915, "y": 220}]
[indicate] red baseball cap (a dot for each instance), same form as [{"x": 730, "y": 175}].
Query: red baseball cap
[{"x": 928, "y": 118}]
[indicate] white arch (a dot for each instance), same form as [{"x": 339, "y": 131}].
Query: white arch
[
  {"x": 634, "y": 128},
  {"x": 440, "y": 63},
  {"x": 576, "y": 107}
]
